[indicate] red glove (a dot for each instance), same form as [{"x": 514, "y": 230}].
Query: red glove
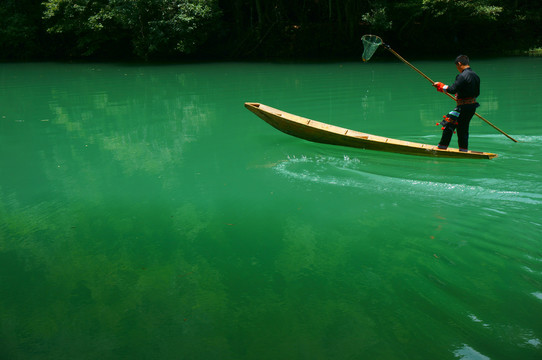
[{"x": 440, "y": 86}]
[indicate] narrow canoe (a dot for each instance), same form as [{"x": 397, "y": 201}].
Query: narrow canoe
[{"x": 329, "y": 134}]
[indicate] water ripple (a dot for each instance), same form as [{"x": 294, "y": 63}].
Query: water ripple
[
  {"x": 468, "y": 353},
  {"x": 353, "y": 173}
]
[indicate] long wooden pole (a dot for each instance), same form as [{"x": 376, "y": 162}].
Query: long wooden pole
[{"x": 449, "y": 95}]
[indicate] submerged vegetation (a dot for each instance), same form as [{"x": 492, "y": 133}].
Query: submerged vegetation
[{"x": 256, "y": 29}]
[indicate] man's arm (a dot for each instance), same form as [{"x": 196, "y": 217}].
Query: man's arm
[{"x": 458, "y": 83}]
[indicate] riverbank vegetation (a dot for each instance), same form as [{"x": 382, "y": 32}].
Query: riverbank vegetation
[{"x": 154, "y": 30}]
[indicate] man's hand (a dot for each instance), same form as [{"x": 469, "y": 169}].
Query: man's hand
[{"x": 440, "y": 86}]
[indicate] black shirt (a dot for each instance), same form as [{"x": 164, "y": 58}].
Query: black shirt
[{"x": 466, "y": 85}]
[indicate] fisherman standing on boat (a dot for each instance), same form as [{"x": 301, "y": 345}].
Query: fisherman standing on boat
[{"x": 467, "y": 88}]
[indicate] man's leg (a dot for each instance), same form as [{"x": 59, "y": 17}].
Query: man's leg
[
  {"x": 450, "y": 123},
  {"x": 446, "y": 136},
  {"x": 463, "y": 127}
]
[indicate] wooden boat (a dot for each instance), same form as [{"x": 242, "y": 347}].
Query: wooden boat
[{"x": 329, "y": 134}]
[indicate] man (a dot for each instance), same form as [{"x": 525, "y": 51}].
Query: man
[{"x": 467, "y": 88}]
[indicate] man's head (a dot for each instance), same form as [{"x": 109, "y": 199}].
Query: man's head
[{"x": 462, "y": 62}]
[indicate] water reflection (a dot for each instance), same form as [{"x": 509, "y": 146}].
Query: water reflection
[{"x": 145, "y": 124}]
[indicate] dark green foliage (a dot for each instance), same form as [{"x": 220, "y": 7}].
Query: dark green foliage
[
  {"x": 20, "y": 30},
  {"x": 256, "y": 29},
  {"x": 149, "y": 28}
]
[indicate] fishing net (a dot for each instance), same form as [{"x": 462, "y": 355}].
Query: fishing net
[{"x": 370, "y": 44}]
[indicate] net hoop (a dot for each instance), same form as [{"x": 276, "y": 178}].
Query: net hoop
[{"x": 370, "y": 44}]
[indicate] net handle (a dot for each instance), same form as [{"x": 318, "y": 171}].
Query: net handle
[
  {"x": 412, "y": 66},
  {"x": 449, "y": 95},
  {"x": 381, "y": 42}
]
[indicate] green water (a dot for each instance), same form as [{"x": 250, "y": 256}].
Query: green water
[{"x": 146, "y": 214}]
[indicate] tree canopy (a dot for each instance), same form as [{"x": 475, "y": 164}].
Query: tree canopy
[{"x": 258, "y": 29}]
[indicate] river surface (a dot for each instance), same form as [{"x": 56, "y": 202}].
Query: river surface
[{"x": 146, "y": 214}]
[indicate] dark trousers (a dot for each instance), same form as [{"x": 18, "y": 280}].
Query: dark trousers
[{"x": 466, "y": 112}]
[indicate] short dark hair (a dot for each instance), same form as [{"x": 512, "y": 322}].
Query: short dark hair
[{"x": 463, "y": 59}]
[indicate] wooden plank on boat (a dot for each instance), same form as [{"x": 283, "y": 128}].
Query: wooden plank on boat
[{"x": 316, "y": 131}]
